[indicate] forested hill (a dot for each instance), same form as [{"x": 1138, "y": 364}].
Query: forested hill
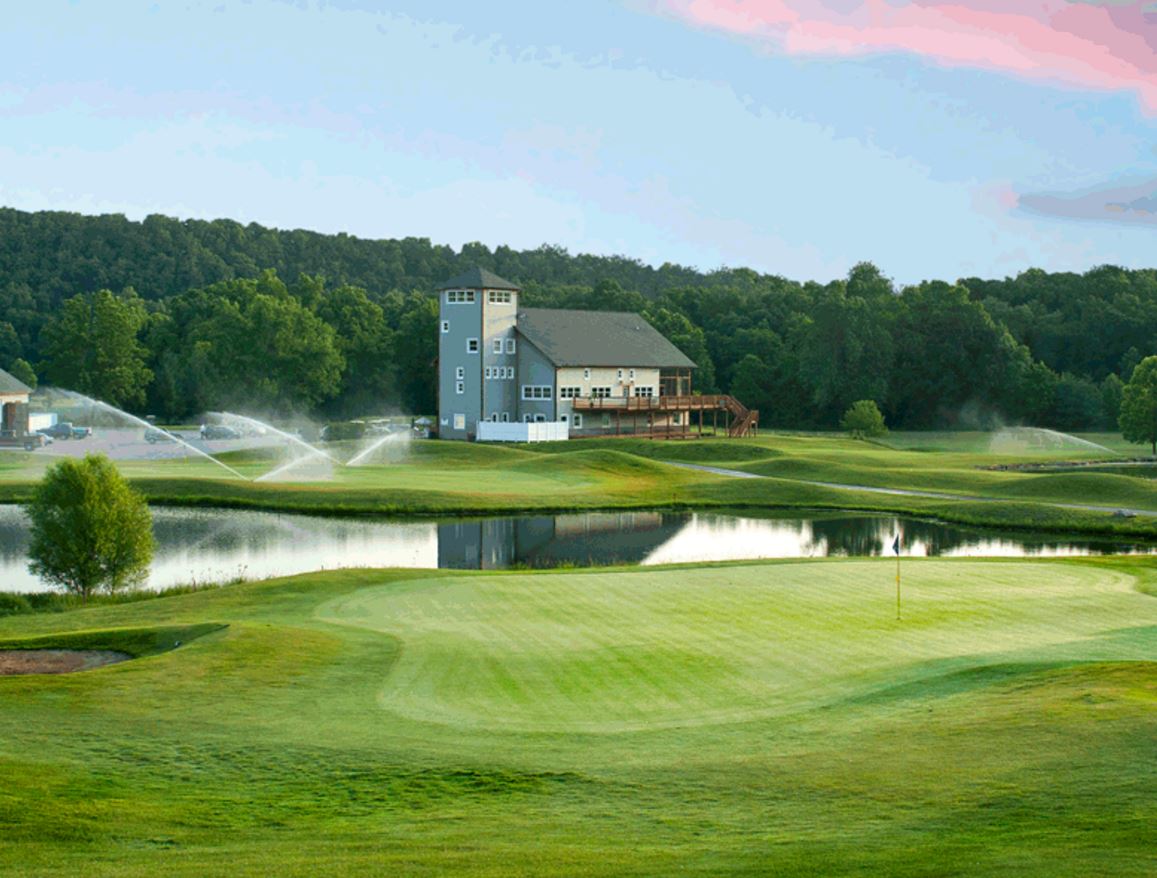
[
  {"x": 57, "y": 254},
  {"x": 338, "y": 325}
]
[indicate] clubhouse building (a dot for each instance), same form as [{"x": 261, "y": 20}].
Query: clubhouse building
[{"x": 517, "y": 374}]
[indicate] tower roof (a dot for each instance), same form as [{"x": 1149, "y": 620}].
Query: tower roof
[{"x": 478, "y": 279}]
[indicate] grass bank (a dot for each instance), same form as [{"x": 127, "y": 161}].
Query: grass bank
[{"x": 440, "y": 478}]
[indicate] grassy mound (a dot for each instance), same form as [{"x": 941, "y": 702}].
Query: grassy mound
[{"x": 137, "y": 642}]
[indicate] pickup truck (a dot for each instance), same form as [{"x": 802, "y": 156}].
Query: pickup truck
[
  {"x": 65, "y": 430},
  {"x": 29, "y": 441}
]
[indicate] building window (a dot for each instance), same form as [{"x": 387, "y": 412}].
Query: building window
[
  {"x": 540, "y": 419},
  {"x": 460, "y": 387},
  {"x": 632, "y": 375},
  {"x": 526, "y": 419},
  {"x": 510, "y": 346},
  {"x": 587, "y": 374},
  {"x": 510, "y": 373},
  {"x": 645, "y": 391},
  {"x": 578, "y": 422},
  {"x": 459, "y": 297},
  {"x": 620, "y": 374},
  {"x": 494, "y": 417},
  {"x": 678, "y": 420},
  {"x": 606, "y": 421},
  {"x": 536, "y": 391},
  {"x": 506, "y": 417},
  {"x": 445, "y": 326},
  {"x": 459, "y": 422},
  {"x": 600, "y": 393},
  {"x": 498, "y": 297},
  {"x": 562, "y": 419},
  {"x": 460, "y": 372},
  {"x": 569, "y": 392},
  {"x": 497, "y": 346},
  {"x": 471, "y": 345}
]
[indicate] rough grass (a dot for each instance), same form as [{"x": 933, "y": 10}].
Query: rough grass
[{"x": 732, "y": 719}]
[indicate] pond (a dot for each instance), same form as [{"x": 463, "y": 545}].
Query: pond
[{"x": 214, "y": 545}]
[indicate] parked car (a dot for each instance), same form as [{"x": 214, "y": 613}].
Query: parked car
[
  {"x": 153, "y": 435},
  {"x": 29, "y": 441},
  {"x": 65, "y": 430},
  {"x": 219, "y": 431}
]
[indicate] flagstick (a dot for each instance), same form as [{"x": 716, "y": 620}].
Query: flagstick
[{"x": 897, "y": 586}]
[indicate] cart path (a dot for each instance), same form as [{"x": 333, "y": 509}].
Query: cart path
[{"x": 905, "y": 492}]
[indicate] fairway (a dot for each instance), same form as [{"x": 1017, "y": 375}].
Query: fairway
[{"x": 612, "y": 652}]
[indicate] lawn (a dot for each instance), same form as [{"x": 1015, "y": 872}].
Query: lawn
[{"x": 729, "y": 719}]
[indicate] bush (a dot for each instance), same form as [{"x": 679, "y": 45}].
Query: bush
[
  {"x": 864, "y": 420},
  {"x": 14, "y": 604}
]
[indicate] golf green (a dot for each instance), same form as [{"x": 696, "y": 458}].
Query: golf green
[{"x": 612, "y": 652}]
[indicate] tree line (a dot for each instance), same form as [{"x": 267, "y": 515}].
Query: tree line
[{"x": 176, "y": 317}]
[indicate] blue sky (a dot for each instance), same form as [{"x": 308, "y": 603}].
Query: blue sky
[{"x": 617, "y": 127}]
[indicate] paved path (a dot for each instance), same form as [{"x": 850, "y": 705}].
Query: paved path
[{"x": 904, "y": 492}]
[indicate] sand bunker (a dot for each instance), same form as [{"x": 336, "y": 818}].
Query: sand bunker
[{"x": 56, "y": 661}]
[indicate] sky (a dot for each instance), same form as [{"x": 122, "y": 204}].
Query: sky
[{"x": 935, "y": 138}]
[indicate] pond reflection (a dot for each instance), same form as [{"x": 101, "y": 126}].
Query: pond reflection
[{"x": 209, "y": 545}]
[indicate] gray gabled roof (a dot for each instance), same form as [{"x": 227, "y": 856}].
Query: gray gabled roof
[
  {"x": 478, "y": 279},
  {"x": 12, "y": 384},
  {"x": 599, "y": 338}
]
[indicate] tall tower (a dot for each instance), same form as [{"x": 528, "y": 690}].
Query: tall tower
[{"x": 477, "y": 352}]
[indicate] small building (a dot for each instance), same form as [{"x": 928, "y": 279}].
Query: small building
[
  {"x": 596, "y": 372},
  {"x": 14, "y": 395}
]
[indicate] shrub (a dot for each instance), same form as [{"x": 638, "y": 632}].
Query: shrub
[{"x": 864, "y": 420}]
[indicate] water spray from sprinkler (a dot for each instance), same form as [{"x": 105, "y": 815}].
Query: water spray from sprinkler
[
  {"x": 359, "y": 458},
  {"x": 112, "y": 409},
  {"x": 261, "y": 425}
]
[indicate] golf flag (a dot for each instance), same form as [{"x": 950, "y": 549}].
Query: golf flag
[{"x": 896, "y": 545}]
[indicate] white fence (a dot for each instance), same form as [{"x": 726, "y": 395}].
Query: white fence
[{"x": 544, "y": 431}]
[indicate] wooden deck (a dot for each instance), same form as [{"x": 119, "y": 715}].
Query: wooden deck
[{"x": 628, "y": 412}]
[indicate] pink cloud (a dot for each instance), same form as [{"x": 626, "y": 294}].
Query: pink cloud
[{"x": 1084, "y": 44}]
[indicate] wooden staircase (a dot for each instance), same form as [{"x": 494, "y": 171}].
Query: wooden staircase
[{"x": 746, "y": 420}]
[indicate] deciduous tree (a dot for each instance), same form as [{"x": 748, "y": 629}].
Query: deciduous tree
[
  {"x": 1138, "y": 418},
  {"x": 864, "y": 420},
  {"x": 90, "y": 529},
  {"x": 91, "y": 346}
]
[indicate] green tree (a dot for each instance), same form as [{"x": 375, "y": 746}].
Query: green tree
[
  {"x": 1138, "y": 418},
  {"x": 845, "y": 353},
  {"x": 250, "y": 342},
  {"x": 22, "y": 370},
  {"x": 366, "y": 344},
  {"x": 90, "y": 529},
  {"x": 92, "y": 347},
  {"x": 417, "y": 353},
  {"x": 864, "y": 420}
]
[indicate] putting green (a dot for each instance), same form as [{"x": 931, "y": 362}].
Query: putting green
[{"x": 621, "y": 651}]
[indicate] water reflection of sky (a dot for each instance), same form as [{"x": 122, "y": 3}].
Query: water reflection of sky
[{"x": 215, "y": 545}]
